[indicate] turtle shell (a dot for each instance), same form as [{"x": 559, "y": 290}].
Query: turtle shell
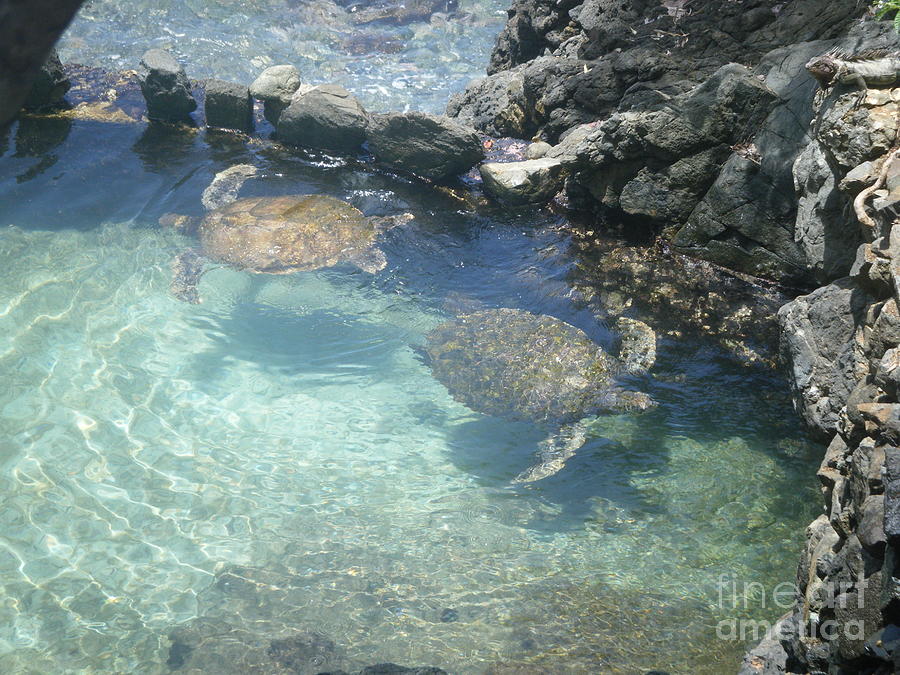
[
  {"x": 286, "y": 234},
  {"x": 512, "y": 363}
]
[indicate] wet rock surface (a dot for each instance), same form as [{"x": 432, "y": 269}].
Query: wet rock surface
[
  {"x": 228, "y": 106},
  {"x": 431, "y": 146},
  {"x": 165, "y": 87},
  {"x": 531, "y": 181},
  {"x": 680, "y": 297}
]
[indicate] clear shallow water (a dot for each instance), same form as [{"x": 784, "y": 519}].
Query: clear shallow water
[
  {"x": 416, "y": 66},
  {"x": 280, "y": 455}
]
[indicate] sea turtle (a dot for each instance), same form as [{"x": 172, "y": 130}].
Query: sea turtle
[
  {"x": 515, "y": 364},
  {"x": 280, "y": 235}
]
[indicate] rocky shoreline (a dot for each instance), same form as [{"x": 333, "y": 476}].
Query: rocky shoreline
[{"x": 701, "y": 126}]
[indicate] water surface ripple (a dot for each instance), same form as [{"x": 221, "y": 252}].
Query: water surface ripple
[{"x": 280, "y": 455}]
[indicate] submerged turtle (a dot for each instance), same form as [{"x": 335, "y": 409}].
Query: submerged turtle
[
  {"x": 512, "y": 363},
  {"x": 280, "y": 235}
]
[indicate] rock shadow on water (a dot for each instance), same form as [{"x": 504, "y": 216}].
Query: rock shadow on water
[
  {"x": 40, "y": 137},
  {"x": 162, "y": 147}
]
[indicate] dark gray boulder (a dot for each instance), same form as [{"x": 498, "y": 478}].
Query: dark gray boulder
[
  {"x": 658, "y": 163},
  {"x": 532, "y": 26},
  {"x": 50, "y": 85},
  {"x": 432, "y": 146},
  {"x": 165, "y": 87},
  {"x": 327, "y": 117},
  {"x": 545, "y": 97},
  {"x": 780, "y": 215},
  {"x": 495, "y": 105},
  {"x": 228, "y": 106},
  {"x": 772, "y": 656},
  {"x": 275, "y": 87},
  {"x": 892, "y": 494},
  {"x": 577, "y": 60},
  {"x": 821, "y": 349}
]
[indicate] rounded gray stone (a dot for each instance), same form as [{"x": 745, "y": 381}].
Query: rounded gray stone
[
  {"x": 432, "y": 146},
  {"x": 275, "y": 86},
  {"x": 326, "y": 117}
]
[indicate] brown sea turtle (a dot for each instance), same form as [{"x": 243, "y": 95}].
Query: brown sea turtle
[
  {"x": 280, "y": 235},
  {"x": 515, "y": 364}
]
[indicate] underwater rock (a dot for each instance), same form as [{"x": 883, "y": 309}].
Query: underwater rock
[
  {"x": 165, "y": 87},
  {"x": 50, "y": 85},
  {"x": 327, "y": 117},
  {"x": 228, "y": 106},
  {"x": 531, "y": 181},
  {"x": 275, "y": 87},
  {"x": 394, "y": 669},
  {"x": 431, "y": 146},
  {"x": 679, "y": 296},
  {"x": 204, "y": 646},
  {"x": 394, "y": 12}
]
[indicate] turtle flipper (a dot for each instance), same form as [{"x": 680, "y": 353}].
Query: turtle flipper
[
  {"x": 371, "y": 260},
  {"x": 225, "y": 186},
  {"x": 187, "y": 269},
  {"x": 555, "y": 451}
]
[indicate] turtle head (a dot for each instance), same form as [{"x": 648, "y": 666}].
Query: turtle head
[
  {"x": 385, "y": 223},
  {"x": 637, "y": 351},
  {"x": 617, "y": 399},
  {"x": 179, "y": 222}
]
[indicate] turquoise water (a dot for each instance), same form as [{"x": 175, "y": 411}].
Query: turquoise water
[
  {"x": 280, "y": 456},
  {"x": 287, "y": 427},
  {"x": 415, "y": 66}
]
